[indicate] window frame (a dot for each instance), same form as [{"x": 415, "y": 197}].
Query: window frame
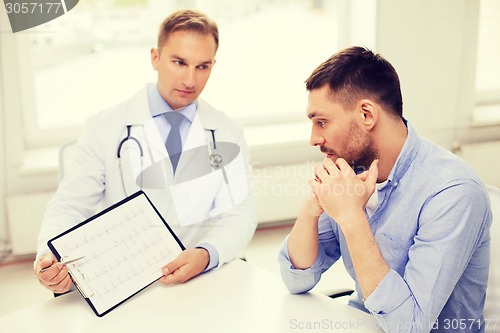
[
  {"x": 484, "y": 98},
  {"x": 33, "y": 137}
]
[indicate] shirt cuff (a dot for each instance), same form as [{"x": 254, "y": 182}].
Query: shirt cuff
[
  {"x": 213, "y": 254},
  {"x": 299, "y": 280},
  {"x": 389, "y": 295},
  {"x": 39, "y": 255},
  {"x": 317, "y": 265}
]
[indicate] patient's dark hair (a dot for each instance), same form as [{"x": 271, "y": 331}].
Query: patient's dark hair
[{"x": 356, "y": 73}]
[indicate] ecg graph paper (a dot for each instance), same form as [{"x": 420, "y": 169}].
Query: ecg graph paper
[{"x": 124, "y": 249}]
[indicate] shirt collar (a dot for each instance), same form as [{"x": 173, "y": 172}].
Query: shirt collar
[
  {"x": 406, "y": 156},
  {"x": 158, "y": 106}
]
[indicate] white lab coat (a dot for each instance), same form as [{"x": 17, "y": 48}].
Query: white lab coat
[{"x": 199, "y": 210}]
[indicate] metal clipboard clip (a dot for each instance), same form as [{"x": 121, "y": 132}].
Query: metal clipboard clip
[{"x": 79, "y": 282}]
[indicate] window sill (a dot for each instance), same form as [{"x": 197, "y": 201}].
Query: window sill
[
  {"x": 40, "y": 161},
  {"x": 486, "y": 115},
  {"x": 280, "y": 144}
]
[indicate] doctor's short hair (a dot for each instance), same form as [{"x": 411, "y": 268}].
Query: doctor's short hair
[
  {"x": 187, "y": 20},
  {"x": 356, "y": 73}
]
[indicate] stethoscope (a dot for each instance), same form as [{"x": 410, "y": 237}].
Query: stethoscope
[
  {"x": 125, "y": 139},
  {"x": 119, "y": 155},
  {"x": 215, "y": 159}
]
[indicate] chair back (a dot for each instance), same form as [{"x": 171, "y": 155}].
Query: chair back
[
  {"x": 65, "y": 157},
  {"x": 492, "y": 305}
]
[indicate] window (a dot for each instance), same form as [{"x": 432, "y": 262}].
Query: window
[
  {"x": 488, "y": 67},
  {"x": 97, "y": 55}
]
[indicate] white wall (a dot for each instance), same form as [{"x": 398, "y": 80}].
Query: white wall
[
  {"x": 484, "y": 158},
  {"x": 3, "y": 156},
  {"x": 3, "y": 161},
  {"x": 432, "y": 45}
]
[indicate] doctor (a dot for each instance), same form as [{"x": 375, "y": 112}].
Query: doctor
[{"x": 128, "y": 148}]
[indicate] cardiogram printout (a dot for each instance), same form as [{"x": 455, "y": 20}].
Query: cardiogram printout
[{"x": 124, "y": 249}]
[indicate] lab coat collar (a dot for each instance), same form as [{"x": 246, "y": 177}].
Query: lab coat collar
[
  {"x": 138, "y": 111},
  {"x": 207, "y": 115},
  {"x": 137, "y": 114}
]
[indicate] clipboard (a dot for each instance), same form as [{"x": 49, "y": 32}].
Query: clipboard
[{"x": 123, "y": 247}]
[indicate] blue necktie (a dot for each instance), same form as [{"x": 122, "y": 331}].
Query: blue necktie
[{"x": 174, "y": 143}]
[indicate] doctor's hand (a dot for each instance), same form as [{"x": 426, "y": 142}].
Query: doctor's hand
[
  {"x": 190, "y": 263},
  {"x": 55, "y": 277}
]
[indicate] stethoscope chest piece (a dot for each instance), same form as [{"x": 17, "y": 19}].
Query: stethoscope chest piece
[{"x": 215, "y": 160}]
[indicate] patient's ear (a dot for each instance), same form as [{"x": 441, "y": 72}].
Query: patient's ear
[{"x": 368, "y": 113}]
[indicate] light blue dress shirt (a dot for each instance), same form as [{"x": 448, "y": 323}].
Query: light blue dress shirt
[
  {"x": 158, "y": 106},
  {"x": 432, "y": 227}
]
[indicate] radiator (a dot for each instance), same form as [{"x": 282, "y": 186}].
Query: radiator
[
  {"x": 484, "y": 158},
  {"x": 24, "y": 215}
]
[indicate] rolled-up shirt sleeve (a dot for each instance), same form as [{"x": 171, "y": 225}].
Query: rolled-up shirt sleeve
[
  {"x": 451, "y": 229},
  {"x": 302, "y": 280}
]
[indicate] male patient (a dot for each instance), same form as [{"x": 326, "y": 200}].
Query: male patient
[
  {"x": 213, "y": 228},
  {"x": 410, "y": 220}
]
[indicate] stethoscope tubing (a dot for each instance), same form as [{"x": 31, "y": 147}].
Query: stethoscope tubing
[
  {"x": 125, "y": 139},
  {"x": 215, "y": 159}
]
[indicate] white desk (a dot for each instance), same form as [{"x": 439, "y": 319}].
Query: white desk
[{"x": 239, "y": 297}]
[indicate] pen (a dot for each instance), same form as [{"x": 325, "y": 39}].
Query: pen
[{"x": 64, "y": 263}]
